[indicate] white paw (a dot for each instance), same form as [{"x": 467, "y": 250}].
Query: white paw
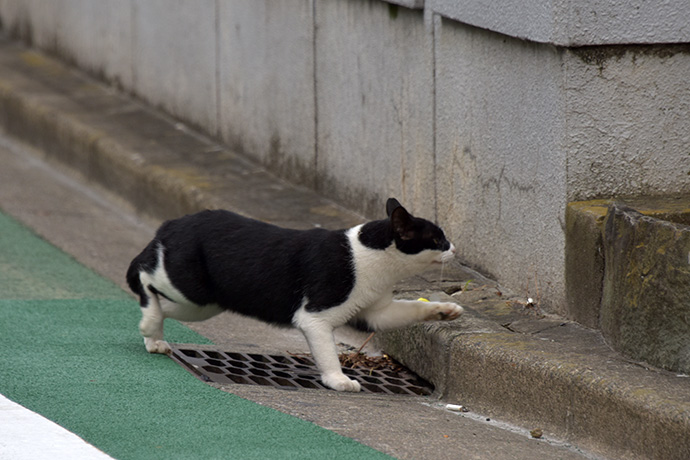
[
  {"x": 443, "y": 311},
  {"x": 341, "y": 383},
  {"x": 157, "y": 346}
]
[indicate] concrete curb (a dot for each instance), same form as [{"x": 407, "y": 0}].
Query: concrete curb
[{"x": 503, "y": 357}]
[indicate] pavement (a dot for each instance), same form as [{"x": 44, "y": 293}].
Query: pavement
[{"x": 93, "y": 172}]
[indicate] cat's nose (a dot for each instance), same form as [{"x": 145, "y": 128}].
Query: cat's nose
[{"x": 448, "y": 254}]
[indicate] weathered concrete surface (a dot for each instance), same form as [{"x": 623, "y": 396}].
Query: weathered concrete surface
[
  {"x": 564, "y": 380},
  {"x": 151, "y": 153},
  {"x": 645, "y": 312},
  {"x": 504, "y": 357},
  {"x": 584, "y": 260},
  {"x": 500, "y": 180},
  {"x": 266, "y": 95},
  {"x": 628, "y": 274},
  {"x": 624, "y": 137},
  {"x": 159, "y": 78},
  {"x": 575, "y": 22},
  {"x": 374, "y": 88},
  {"x": 491, "y": 132},
  {"x": 101, "y": 231},
  {"x": 514, "y": 363}
]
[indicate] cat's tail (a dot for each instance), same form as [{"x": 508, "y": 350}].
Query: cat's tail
[
  {"x": 146, "y": 259},
  {"x": 133, "y": 277}
]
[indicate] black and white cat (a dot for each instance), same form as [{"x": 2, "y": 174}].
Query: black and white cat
[{"x": 315, "y": 280}]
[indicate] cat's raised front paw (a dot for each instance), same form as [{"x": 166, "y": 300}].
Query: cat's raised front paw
[
  {"x": 157, "y": 346},
  {"x": 443, "y": 311},
  {"x": 341, "y": 383}
]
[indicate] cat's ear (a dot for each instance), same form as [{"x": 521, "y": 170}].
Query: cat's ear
[
  {"x": 402, "y": 223},
  {"x": 400, "y": 219},
  {"x": 391, "y": 205}
]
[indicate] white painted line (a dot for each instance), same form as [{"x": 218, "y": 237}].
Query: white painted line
[{"x": 26, "y": 435}]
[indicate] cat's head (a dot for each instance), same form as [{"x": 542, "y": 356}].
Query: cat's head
[{"x": 418, "y": 237}]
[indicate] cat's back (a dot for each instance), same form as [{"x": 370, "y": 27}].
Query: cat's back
[
  {"x": 221, "y": 234},
  {"x": 216, "y": 223},
  {"x": 213, "y": 245},
  {"x": 246, "y": 265}
]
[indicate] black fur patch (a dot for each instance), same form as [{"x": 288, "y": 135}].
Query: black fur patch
[
  {"x": 257, "y": 269},
  {"x": 412, "y": 235},
  {"x": 377, "y": 234},
  {"x": 264, "y": 271}
]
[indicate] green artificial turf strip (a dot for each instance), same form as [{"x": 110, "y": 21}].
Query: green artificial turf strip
[
  {"x": 71, "y": 351},
  {"x": 31, "y": 268}
]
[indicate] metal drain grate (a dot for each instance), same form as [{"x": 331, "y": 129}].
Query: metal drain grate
[{"x": 290, "y": 372}]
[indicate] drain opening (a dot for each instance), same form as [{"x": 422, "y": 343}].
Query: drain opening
[{"x": 291, "y": 372}]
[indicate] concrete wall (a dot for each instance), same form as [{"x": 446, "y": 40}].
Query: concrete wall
[
  {"x": 628, "y": 117},
  {"x": 501, "y": 170},
  {"x": 575, "y": 22},
  {"x": 266, "y": 83},
  {"x": 374, "y": 88},
  {"x": 489, "y": 117}
]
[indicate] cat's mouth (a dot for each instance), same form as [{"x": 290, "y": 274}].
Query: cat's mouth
[{"x": 446, "y": 256}]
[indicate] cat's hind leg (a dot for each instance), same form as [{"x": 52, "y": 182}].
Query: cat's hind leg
[{"x": 151, "y": 324}]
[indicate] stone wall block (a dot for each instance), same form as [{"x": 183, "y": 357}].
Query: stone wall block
[
  {"x": 584, "y": 260},
  {"x": 645, "y": 311}
]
